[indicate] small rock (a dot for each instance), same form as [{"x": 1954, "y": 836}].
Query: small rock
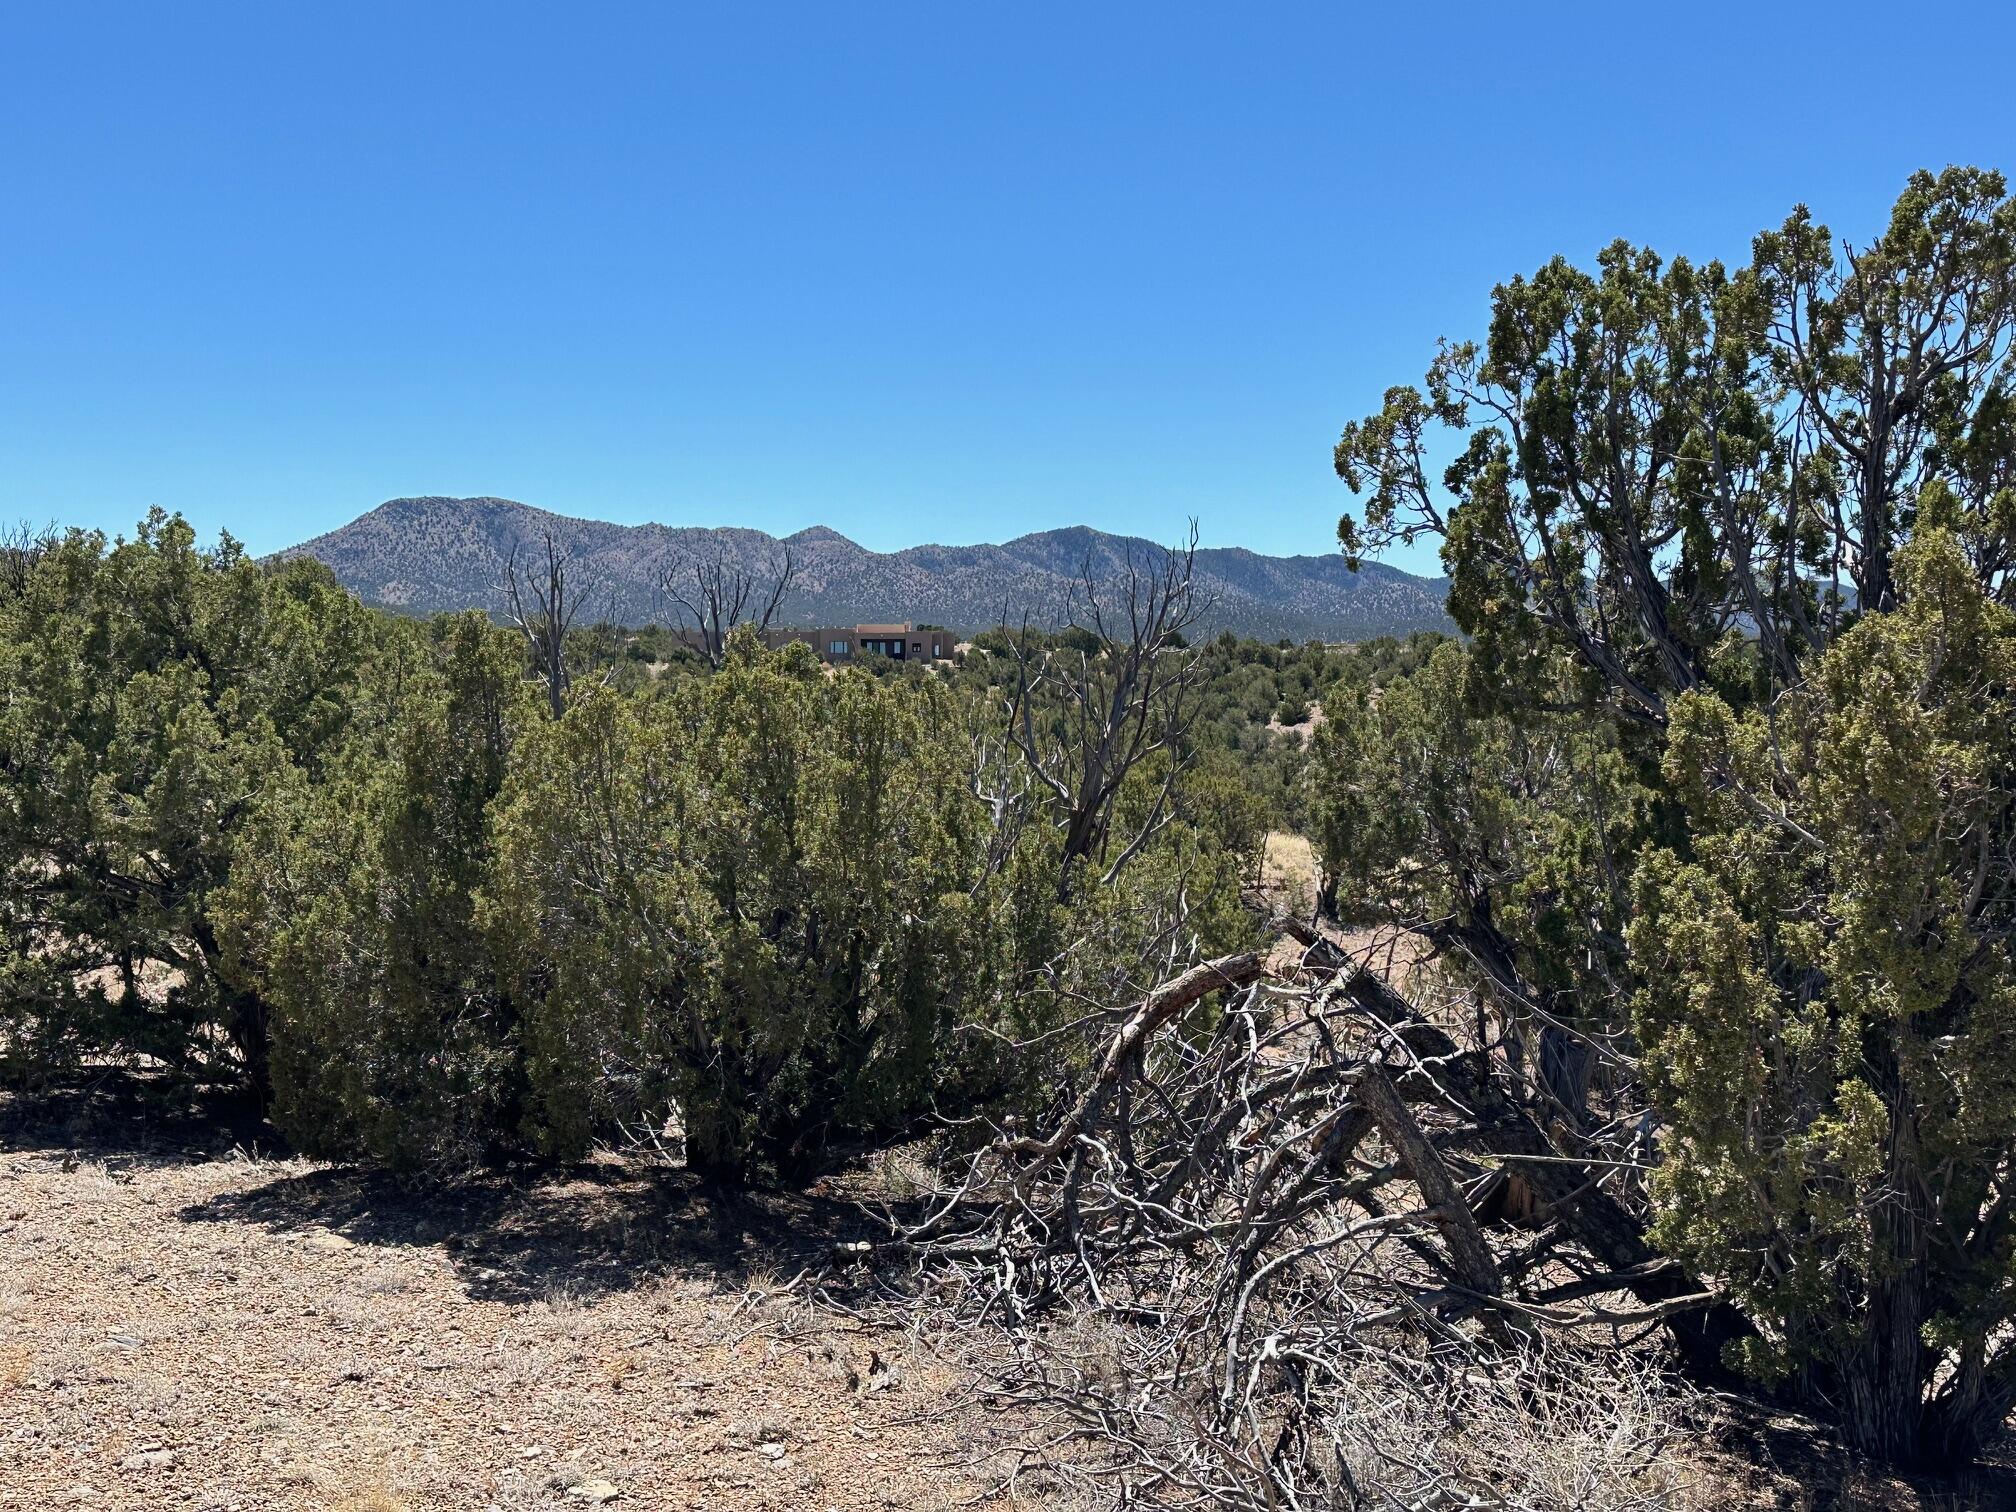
[
  {"x": 150, "y": 1459},
  {"x": 882, "y": 1376},
  {"x": 327, "y": 1243},
  {"x": 772, "y": 1451},
  {"x": 594, "y": 1492}
]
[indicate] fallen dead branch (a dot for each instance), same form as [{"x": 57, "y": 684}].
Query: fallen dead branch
[{"x": 1266, "y": 1258}]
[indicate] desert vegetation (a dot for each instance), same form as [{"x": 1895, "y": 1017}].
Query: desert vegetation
[
  {"x": 1690, "y": 1109},
  {"x": 262, "y": 836}
]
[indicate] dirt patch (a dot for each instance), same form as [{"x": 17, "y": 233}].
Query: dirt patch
[
  {"x": 1305, "y": 731},
  {"x": 1288, "y": 884},
  {"x": 191, "y": 1319}
]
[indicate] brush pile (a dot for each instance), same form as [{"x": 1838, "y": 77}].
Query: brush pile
[{"x": 1295, "y": 1242}]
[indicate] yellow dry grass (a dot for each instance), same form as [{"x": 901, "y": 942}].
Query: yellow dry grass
[
  {"x": 372, "y": 1501},
  {"x": 1288, "y": 871}
]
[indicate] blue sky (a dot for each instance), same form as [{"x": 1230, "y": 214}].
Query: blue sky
[{"x": 934, "y": 272}]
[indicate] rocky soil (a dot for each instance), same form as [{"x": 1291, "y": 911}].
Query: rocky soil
[{"x": 188, "y": 1320}]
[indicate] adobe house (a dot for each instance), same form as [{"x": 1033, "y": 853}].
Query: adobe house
[
  {"x": 843, "y": 643},
  {"x": 904, "y": 642}
]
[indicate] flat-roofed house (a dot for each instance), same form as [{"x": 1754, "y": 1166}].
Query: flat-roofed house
[
  {"x": 904, "y": 642},
  {"x": 845, "y": 643}
]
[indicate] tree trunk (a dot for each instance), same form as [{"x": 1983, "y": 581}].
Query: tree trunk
[
  {"x": 1568, "y": 1190},
  {"x": 252, "y": 1036},
  {"x": 1884, "y": 1380},
  {"x": 246, "y": 1018},
  {"x": 1880, "y": 1393}
]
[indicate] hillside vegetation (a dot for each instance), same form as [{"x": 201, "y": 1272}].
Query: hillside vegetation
[{"x": 424, "y": 556}]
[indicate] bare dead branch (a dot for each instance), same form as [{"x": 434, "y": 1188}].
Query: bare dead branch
[
  {"x": 1273, "y": 1206},
  {"x": 545, "y": 598},
  {"x": 1086, "y": 712},
  {"x": 717, "y": 592}
]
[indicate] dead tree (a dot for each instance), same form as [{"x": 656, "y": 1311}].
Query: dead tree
[
  {"x": 21, "y": 546},
  {"x": 545, "y": 597},
  {"x": 1085, "y": 717},
  {"x": 718, "y": 593},
  {"x": 1265, "y": 1210}
]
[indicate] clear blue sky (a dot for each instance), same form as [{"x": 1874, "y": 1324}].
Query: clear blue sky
[{"x": 938, "y": 272}]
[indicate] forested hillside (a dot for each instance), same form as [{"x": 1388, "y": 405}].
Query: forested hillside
[{"x": 428, "y": 555}]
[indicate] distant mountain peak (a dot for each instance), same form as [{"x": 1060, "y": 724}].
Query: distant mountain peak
[
  {"x": 813, "y": 535},
  {"x": 432, "y": 553}
]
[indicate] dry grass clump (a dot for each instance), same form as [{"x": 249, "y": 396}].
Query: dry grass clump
[
  {"x": 1554, "y": 1428},
  {"x": 905, "y": 1173},
  {"x": 1548, "y": 1425}
]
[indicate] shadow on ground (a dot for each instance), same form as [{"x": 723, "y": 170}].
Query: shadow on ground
[
  {"x": 611, "y": 1225},
  {"x": 600, "y": 1228},
  {"x": 124, "y": 1121},
  {"x": 604, "y": 1226},
  {"x": 1804, "y": 1468}
]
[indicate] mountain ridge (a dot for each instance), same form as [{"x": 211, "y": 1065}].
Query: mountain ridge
[{"x": 429, "y": 553}]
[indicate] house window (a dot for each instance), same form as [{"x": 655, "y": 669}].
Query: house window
[
  {"x": 836, "y": 648},
  {"x": 916, "y": 646}
]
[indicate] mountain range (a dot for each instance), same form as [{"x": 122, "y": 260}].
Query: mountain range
[{"x": 429, "y": 554}]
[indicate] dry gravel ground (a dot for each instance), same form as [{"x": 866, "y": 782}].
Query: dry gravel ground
[
  {"x": 186, "y": 1322},
  {"x": 189, "y": 1320}
]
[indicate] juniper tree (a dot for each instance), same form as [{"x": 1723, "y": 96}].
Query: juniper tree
[
  {"x": 1658, "y": 461},
  {"x": 351, "y": 906},
  {"x": 153, "y": 690},
  {"x": 1828, "y": 1013},
  {"x": 1749, "y": 533},
  {"x": 749, "y": 901}
]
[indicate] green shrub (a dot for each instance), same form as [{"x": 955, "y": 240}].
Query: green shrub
[
  {"x": 1827, "y": 1014},
  {"x": 352, "y": 906},
  {"x": 153, "y": 692},
  {"x": 749, "y": 903}
]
